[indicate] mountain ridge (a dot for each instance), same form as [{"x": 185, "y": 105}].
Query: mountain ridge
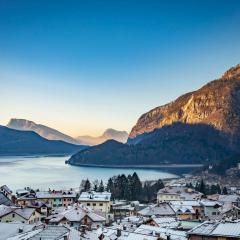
[
  {"x": 211, "y": 104},
  {"x": 18, "y": 142},
  {"x": 44, "y": 131},
  {"x": 201, "y": 126},
  {"x": 110, "y": 133}
]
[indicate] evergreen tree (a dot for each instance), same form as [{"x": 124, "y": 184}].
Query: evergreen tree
[
  {"x": 136, "y": 186},
  {"x": 95, "y": 185},
  {"x": 146, "y": 192},
  {"x": 224, "y": 191},
  {"x": 218, "y": 189},
  {"x": 202, "y": 187},
  {"x": 101, "y": 187},
  {"x": 109, "y": 187},
  {"x": 87, "y": 186}
]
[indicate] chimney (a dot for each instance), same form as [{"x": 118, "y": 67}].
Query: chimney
[
  {"x": 119, "y": 232},
  {"x": 168, "y": 236}
]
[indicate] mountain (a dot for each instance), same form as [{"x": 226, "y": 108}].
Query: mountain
[
  {"x": 215, "y": 104},
  {"x": 44, "y": 131},
  {"x": 120, "y": 136},
  {"x": 16, "y": 142},
  {"x": 202, "y": 126}
]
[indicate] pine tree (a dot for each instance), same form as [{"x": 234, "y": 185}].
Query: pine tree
[
  {"x": 95, "y": 185},
  {"x": 202, "y": 187},
  {"x": 101, "y": 187},
  {"x": 224, "y": 191},
  {"x": 136, "y": 186},
  {"x": 87, "y": 186}
]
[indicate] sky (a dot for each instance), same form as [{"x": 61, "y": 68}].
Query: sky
[{"x": 84, "y": 66}]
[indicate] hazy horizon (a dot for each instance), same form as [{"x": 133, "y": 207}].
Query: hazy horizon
[{"x": 82, "y": 67}]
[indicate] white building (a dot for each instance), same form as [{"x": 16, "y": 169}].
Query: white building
[
  {"x": 96, "y": 200},
  {"x": 177, "y": 193}
]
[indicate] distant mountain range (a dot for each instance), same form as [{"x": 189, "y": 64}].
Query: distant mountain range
[
  {"x": 15, "y": 142},
  {"x": 44, "y": 131},
  {"x": 198, "y": 127},
  {"x": 120, "y": 136},
  {"x": 53, "y": 134}
]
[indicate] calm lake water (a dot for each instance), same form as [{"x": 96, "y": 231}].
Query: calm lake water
[{"x": 45, "y": 172}]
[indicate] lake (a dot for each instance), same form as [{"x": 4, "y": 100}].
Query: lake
[{"x": 45, "y": 172}]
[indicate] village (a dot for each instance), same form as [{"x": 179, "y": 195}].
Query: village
[{"x": 177, "y": 212}]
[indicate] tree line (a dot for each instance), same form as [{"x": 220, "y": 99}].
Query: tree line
[
  {"x": 128, "y": 187},
  {"x": 207, "y": 189}
]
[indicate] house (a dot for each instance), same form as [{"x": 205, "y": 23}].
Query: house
[
  {"x": 158, "y": 210},
  {"x": 188, "y": 209},
  {"x": 52, "y": 198},
  {"x": 184, "y": 212},
  {"x": 197, "y": 209},
  {"x": 211, "y": 209},
  {"x": 76, "y": 216},
  {"x": 122, "y": 208},
  {"x": 19, "y": 214},
  {"x": 216, "y": 230},
  {"x": 177, "y": 193},
  {"x": 96, "y": 200}
]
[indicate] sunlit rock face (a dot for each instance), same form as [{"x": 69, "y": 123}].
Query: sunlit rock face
[
  {"x": 199, "y": 127},
  {"x": 216, "y": 104}
]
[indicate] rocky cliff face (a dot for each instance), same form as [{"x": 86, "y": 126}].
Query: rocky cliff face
[
  {"x": 199, "y": 127},
  {"x": 216, "y": 104}
]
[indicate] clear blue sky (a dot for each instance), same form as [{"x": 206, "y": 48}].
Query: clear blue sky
[{"x": 83, "y": 66}]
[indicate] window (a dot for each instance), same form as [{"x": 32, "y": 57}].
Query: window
[
  {"x": 13, "y": 215},
  {"x": 100, "y": 204},
  {"x": 94, "y": 204},
  {"x": 88, "y": 204}
]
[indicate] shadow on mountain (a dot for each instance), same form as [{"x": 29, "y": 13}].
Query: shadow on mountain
[{"x": 178, "y": 143}]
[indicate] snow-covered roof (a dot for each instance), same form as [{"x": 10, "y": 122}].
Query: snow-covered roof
[
  {"x": 179, "y": 209},
  {"x": 75, "y": 214},
  {"x": 95, "y": 196},
  {"x": 4, "y": 210},
  {"x": 225, "y": 229},
  {"x": 11, "y": 229},
  {"x": 161, "y": 209},
  {"x": 193, "y": 203},
  {"x": 183, "y": 192},
  {"x": 164, "y": 232},
  {"x": 49, "y": 233},
  {"x": 4, "y": 200},
  {"x": 165, "y": 221},
  {"x": 57, "y": 194},
  {"x": 25, "y": 212}
]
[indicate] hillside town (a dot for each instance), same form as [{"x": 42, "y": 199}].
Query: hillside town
[{"x": 176, "y": 212}]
